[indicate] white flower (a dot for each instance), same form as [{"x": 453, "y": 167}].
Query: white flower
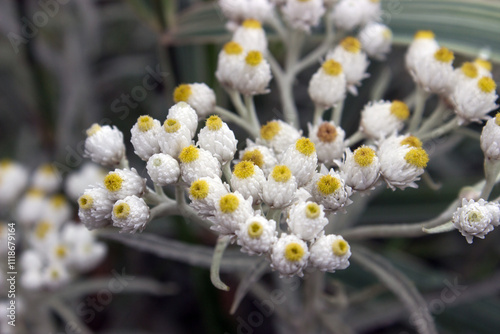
[
  {"x": 231, "y": 211},
  {"x": 278, "y": 135},
  {"x": 330, "y": 190},
  {"x": 32, "y": 279},
  {"x": 57, "y": 209},
  {"x": 484, "y": 67},
  {"x": 95, "y": 208},
  {"x": 248, "y": 179},
  {"x": 376, "y": 39},
  {"x": 327, "y": 86},
  {"x": 279, "y": 190},
  {"x": 197, "y": 95},
  {"x": 260, "y": 155},
  {"x": 86, "y": 253},
  {"x": 124, "y": 182},
  {"x": 306, "y": 220},
  {"x": 174, "y": 137},
  {"x": 382, "y": 118},
  {"x": 328, "y": 140},
  {"x": 185, "y": 114},
  {"x": 289, "y": 255},
  {"x": 422, "y": 46},
  {"x": 217, "y": 138},
  {"x": 434, "y": 73},
  {"x": 330, "y": 253},
  {"x": 353, "y": 60},
  {"x": 302, "y": 160},
  {"x": 474, "y": 99},
  {"x": 302, "y": 14},
  {"x": 251, "y": 36},
  {"x": 130, "y": 214},
  {"x": 46, "y": 178},
  {"x": 257, "y": 235},
  {"x": 238, "y": 10},
  {"x": 145, "y": 134},
  {"x": 31, "y": 260},
  {"x": 55, "y": 275},
  {"x": 490, "y": 138},
  {"x": 467, "y": 72},
  {"x": 104, "y": 145},
  {"x": 30, "y": 207},
  {"x": 204, "y": 194},
  {"x": 13, "y": 180},
  {"x": 360, "y": 170},
  {"x": 349, "y": 14},
  {"x": 476, "y": 219},
  {"x": 43, "y": 235},
  {"x": 230, "y": 64},
  {"x": 254, "y": 76},
  {"x": 78, "y": 181},
  {"x": 196, "y": 163},
  {"x": 163, "y": 169}
]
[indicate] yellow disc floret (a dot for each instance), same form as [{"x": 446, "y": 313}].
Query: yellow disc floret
[
  {"x": 469, "y": 70},
  {"x": 255, "y": 230},
  {"x": 305, "y": 146},
  {"x": 121, "y": 210},
  {"x": 145, "y": 123},
  {"x": 327, "y": 132},
  {"x": 331, "y": 67},
  {"x": 497, "y": 119},
  {"x": 94, "y": 128},
  {"x": 189, "y": 154},
  {"x": 417, "y": 157},
  {"x": 113, "y": 182},
  {"x": 33, "y": 192},
  {"x": 182, "y": 93},
  {"x": 340, "y": 247},
  {"x": 214, "y": 123},
  {"x": 424, "y": 34},
  {"x": 254, "y": 156},
  {"x": 42, "y": 229},
  {"x": 484, "y": 64},
  {"x": 400, "y": 110},
  {"x": 486, "y": 84},
  {"x": 244, "y": 169},
  {"x": 271, "y": 129},
  {"x": 61, "y": 251},
  {"x": 85, "y": 202},
  {"x": 351, "y": 44},
  {"x": 444, "y": 55},
  {"x": 312, "y": 210},
  {"x": 199, "y": 189},
  {"x": 254, "y": 58},
  {"x": 364, "y": 156},
  {"x": 233, "y": 48},
  {"x": 171, "y": 125},
  {"x": 328, "y": 184},
  {"x": 47, "y": 169},
  {"x": 58, "y": 201},
  {"x": 294, "y": 252},
  {"x": 252, "y": 24},
  {"x": 474, "y": 216},
  {"x": 229, "y": 203},
  {"x": 411, "y": 141},
  {"x": 281, "y": 173}
]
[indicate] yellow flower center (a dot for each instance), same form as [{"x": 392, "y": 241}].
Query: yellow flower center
[
  {"x": 171, "y": 125},
  {"x": 85, "y": 202},
  {"x": 411, "y": 141},
  {"x": 214, "y": 123},
  {"x": 387, "y": 34},
  {"x": 145, "y": 123},
  {"x": 469, "y": 70},
  {"x": 5, "y": 163},
  {"x": 189, "y": 154},
  {"x": 271, "y": 129},
  {"x": 121, "y": 210},
  {"x": 312, "y": 210},
  {"x": 113, "y": 182},
  {"x": 57, "y": 201},
  {"x": 444, "y": 55},
  {"x": 484, "y": 64},
  {"x": 42, "y": 229},
  {"x": 229, "y": 203},
  {"x": 486, "y": 84},
  {"x": 305, "y": 146},
  {"x": 61, "y": 251},
  {"x": 33, "y": 192},
  {"x": 253, "y": 58},
  {"x": 400, "y": 110},
  {"x": 157, "y": 162},
  {"x": 233, "y": 48},
  {"x": 475, "y": 216},
  {"x": 251, "y": 24},
  {"x": 328, "y": 184},
  {"x": 255, "y": 230},
  {"x": 182, "y": 93},
  {"x": 54, "y": 274},
  {"x": 331, "y": 67},
  {"x": 281, "y": 173},
  {"x": 497, "y": 119},
  {"x": 199, "y": 189},
  {"x": 93, "y": 129},
  {"x": 244, "y": 169},
  {"x": 255, "y": 157},
  {"x": 417, "y": 157},
  {"x": 364, "y": 156},
  {"x": 351, "y": 44},
  {"x": 327, "y": 132},
  {"x": 340, "y": 247},
  {"x": 424, "y": 34},
  {"x": 294, "y": 252}
]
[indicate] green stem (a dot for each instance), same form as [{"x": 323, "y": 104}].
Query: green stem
[
  {"x": 418, "y": 113},
  {"x": 443, "y": 129},
  {"x": 252, "y": 113},
  {"x": 231, "y": 117},
  {"x": 436, "y": 119},
  {"x": 337, "y": 112},
  {"x": 355, "y": 138},
  {"x": 237, "y": 102},
  {"x": 226, "y": 171},
  {"x": 318, "y": 114},
  {"x": 222, "y": 243},
  {"x": 491, "y": 171}
]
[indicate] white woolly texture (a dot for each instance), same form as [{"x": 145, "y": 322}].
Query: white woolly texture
[
  {"x": 131, "y": 184},
  {"x": 13, "y": 180},
  {"x": 146, "y": 142},
  {"x": 46, "y": 178},
  {"x": 202, "y": 99},
  {"x": 302, "y": 166},
  {"x": 205, "y": 207},
  {"x": 185, "y": 114},
  {"x": 99, "y": 214},
  {"x": 476, "y": 219},
  {"x": 471, "y": 103},
  {"x": 30, "y": 260},
  {"x": 86, "y": 251},
  {"x": 136, "y": 219},
  {"x": 31, "y": 280},
  {"x": 253, "y": 80},
  {"x": 268, "y": 156},
  {"x": 286, "y": 136},
  {"x": 303, "y": 14},
  {"x": 349, "y": 14},
  {"x": 359, "y": 178},
  {"x": 304, "y": 222},
  {"x": 78, "y": 181},
  {"x": 353, "y": 64},
  {"x": 55, "y": 275},
  {"x": 279, "y": 261},
  {"x": 336, "y": 200},
  {"x": 239, "y": 10},
  {"x": 419, "y": 49},
  {"x": 327, "y": 90},
  {"x": 376, "y": 40},
  {"x": 433, "y": 76},
  {"x": 105, "y": 146},
  {"x": 481, "y": 70},
  {"x": 57, "y": 209},
  {"x": 172, "y": 143},
  {"x": 377, "y": 121},
  {"x": 227, "y": 223},
  {"x": 205, "y": 165},
  {"x": 257, "y": 244},
  {"x": 323, "y": 257},
  {"x": 279, "y": 194},
  {"x": 251, "y": 38},
  {"x": 30, "y": 207},
  {"x": 163, "y": 169},
  {"x": 328, "y": 139},
  {"x": 230, "y": 68},
  {"x": 490, "y": 139},
  {"x": 250, "y": 186},
  {"x": 221, "y": 143}
]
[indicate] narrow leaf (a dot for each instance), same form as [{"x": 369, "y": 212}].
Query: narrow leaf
[{"x": 222, "y": 243}]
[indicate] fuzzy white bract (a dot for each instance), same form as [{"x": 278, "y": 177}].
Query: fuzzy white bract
[
  {"x": 330, "y": 253},
  {"x": 278, "y": 135},
  {"x": 476, "y": 218},
  {"x": 196, "y": 163},
  {"x": 230, "y": 63},
  {"x": 302, "y": 14},
  {"x": 262, "y": 156},
  {"x": 95, "y": 208},
  {"x": 490, "y": 138},
  {"x": 434, "y": 73},
  {"x": 257, "y": 235},
  {"x": 13, "y": 180},
  {"x": 328, "y": 188},
  {"x": 376, "y": 40},
  {"x": 328, "y": 140},
  {"x": 144, "y": 138},
  {"x": 30, "y": 207},
  {"x": 174, "y": 136},
  {"x": 231, "y": 211},
  {"x": 251, "y": 36},
  {"x": 121, "y": 183},
  {"x": 280, "y": 187},
  {"x": 197, "y": 95},
  {"x": 249, "y": 180},
  {"x": 422, "y": 46},
  {"x": 327, "y": 86},
  {"x": 289, "y": 255},
  {"x": 302, "y": 160},
  {"x": 163, "y": 169},
  {"x": 349, "y": 14},
  {"x": 382, "y": 118},
  {"x": 78, "y": 181},
  {"x": 131, "y": 214},
  {"x": 185, "y": 114},
  {"x": 217, "y": 138},
  {"x": 204, "y": 194},
  {"x": 46, "y": 178},
  {"x": 306, "y": 220},
  {"x": 239, "y": 10},
  {"x": 360, "y": 169},
  {"x": 254, "y": 76},
  {"x": 474, "y": 99},
  {"x": 104, "y": 145}
]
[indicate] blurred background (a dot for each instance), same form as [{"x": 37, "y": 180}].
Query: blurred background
[{"x": 66, "y": 64}]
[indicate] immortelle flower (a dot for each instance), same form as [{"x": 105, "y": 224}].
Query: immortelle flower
[
  {"x": 144, "y": 138},
  {"x": 173, "y": 137},
  {"x": 360, "y": 169},
  {"x": 123, "y": 182},
  {"x": 474, "y": 99},
  {"x": 328, "y": 85},
  {"x": 30, "y": 207},
  {"x": 484, "y": 67},
  {"x": 261, "y": 156},
  {"x": 204, "y": 194},
  {"x": 330, "y": 190},
  {"x": 230, "y": 61},
  {"x": 57, "y": 209},
  {"x": 163, "y": 169},
  {"x": 490, "y": 138},
  {"x": 13, "y": 180},
  {"x": 46, "y": 178},
  {"x": 382, "y": 118},
  {"x": 196, "y": 163},
  {"x": 278, "y": 135},
  {"x": 435, "y": 73},
  {"x": 349, "y": 14},
  {"x": 468, "y": 71},
  {"x": 306, "y": 220},
  {"x": 185, "y": 114},
  {"x": 303, "y": 14},
  {"x": 95, "y": 208},
  {"x": 476, "y": 219},
  {"x": 328, "y": 140},
  {"x": 104, "y": 145},
  {"x": 330, "y": 253},
  {"x": 78, "y": 181},
  {"x": 239, "y": 10},
  {"x": 376, "y": 40},
  {"x": 254, "y": 76},
  {"x": 197, "y": 95},
  {"x": 251, "y": 36},
  {"x": 302, "y": 160},
  {"x": 231, "y": 211},
  {"x": 289, "y": 255},
  {"x": 217, "y": 138},
  {"x": 279, "y": 190},
  {"x": 257, "y": 235},
  {"x": 130, "y": 214},
  {"x": 423, "y": 45},
  {"x": 248, "y": 179}
]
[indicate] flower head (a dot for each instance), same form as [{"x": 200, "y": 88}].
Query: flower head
[{"x": 476, "y": 219}]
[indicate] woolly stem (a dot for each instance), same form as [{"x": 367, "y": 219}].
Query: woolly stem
[
  {"x": 337, "y": 112},
  {"x": 421, "y": 98},
  {"x": 231, "y": 117},
  {"x": 491, "y": 170},
  {"x": 252, "y": 113},
  {"x": 222, "y": 243},
  {"x": 355, "y": 138},
  {"x": 443, "y": 129}
]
